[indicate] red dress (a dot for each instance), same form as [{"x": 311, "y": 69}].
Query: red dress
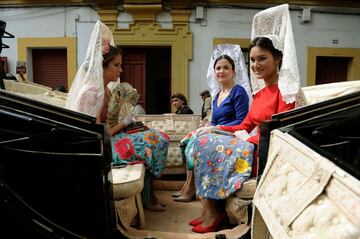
[{"x": 267, "y": 102}]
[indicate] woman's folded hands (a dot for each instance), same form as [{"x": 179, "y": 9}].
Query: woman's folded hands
[{"x": 128, "y": 119}]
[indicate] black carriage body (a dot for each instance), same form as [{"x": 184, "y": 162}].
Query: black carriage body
[{"x": 55, "y": 172}]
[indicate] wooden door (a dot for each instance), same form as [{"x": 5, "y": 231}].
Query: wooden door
[
  {"x": 149, "y": 71},
  {"x": 50, "y": 67},
  {"x": 331, "y": 69},
  {"x": 134, "y": 72}
]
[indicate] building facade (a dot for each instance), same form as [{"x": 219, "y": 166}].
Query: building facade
[{"x": 168, "y": 44}]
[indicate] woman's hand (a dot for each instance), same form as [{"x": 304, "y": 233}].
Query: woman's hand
[
  {"x": 128, "y": 119},
  {"x": 242, "y": 134},
  {"x": 204, "y": 130},
  {"x": 116, "y": 128}
]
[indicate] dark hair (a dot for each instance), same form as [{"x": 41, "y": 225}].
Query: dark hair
[
  {"x": 266, "y": 43},
  {"x": 226, "y": 57},
  {"x": 60, "y": 88},
  {"x": 205, "y": 92},
  {"x": 113, "y": 51},
  {"x": 179, "y": 96}
]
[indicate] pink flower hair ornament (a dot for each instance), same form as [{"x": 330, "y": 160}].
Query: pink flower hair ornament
[{"x": 105, "y": 46}]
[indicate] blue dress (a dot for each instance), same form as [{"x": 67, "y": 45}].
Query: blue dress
[
  {"x": 222, "y": 164},
  {"x": 231, "y": 111}
]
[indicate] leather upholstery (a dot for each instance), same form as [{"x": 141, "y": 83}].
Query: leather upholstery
[
  {"x": 318, "y": 93},
  {"x": 237, "y": 210},
  {"x": 237, "y": 205},
  {"x": 247, "y": 189},
  {"x": 304, "y": 195},
  {"x": 128, "y": 181},
  {"x": 36, "y": 92}
]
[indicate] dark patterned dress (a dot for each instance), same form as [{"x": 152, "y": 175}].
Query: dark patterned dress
[{"x": 149, "y": 147}]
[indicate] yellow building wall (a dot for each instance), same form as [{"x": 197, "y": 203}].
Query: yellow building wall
[
  {"x": 313, "y": 52},
  {"x": 69, "y": 43}
]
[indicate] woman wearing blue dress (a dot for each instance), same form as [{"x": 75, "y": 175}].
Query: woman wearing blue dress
[{"x": 230, "y": 89}]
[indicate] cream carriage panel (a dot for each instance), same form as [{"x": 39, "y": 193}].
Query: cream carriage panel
[{"x": 304, "y": 195}]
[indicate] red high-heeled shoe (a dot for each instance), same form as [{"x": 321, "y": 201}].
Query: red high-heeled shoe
[
  {"x": 195, "y": 222},
  {"x": 213, "y": 227}
]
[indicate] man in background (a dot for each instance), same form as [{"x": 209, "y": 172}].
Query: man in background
[{"x": 206, "y": 107}]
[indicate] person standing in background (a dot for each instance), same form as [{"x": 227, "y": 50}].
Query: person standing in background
[
  {"x": 206, "y": 107},
  {"x": 179, "y": 101}
]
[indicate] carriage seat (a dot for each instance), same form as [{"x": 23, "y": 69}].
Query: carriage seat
[
  {"x": 37, "y": 92},
  {"x": 247, "y": 189},
  {"x": 176, "y": 126},
  {"x": 238, "y": 205},
  {"x": 128, "y": 182}
]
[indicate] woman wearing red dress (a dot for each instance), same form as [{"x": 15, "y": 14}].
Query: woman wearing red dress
[
  {"x": 264, "y": 62},
  {"x": 224, "y": 162}
]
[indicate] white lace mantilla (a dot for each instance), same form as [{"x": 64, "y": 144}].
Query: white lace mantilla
[
  {"x": 275, "y": 24},
  {"x": 87, "y": 90},
  {"x": 240, "y": 77}
]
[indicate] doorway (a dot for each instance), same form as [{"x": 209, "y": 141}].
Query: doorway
[
  {"x": 50, "y": 67},
  {"x": 331, "y": 69},
  {"x": 149, "y": 71}
]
